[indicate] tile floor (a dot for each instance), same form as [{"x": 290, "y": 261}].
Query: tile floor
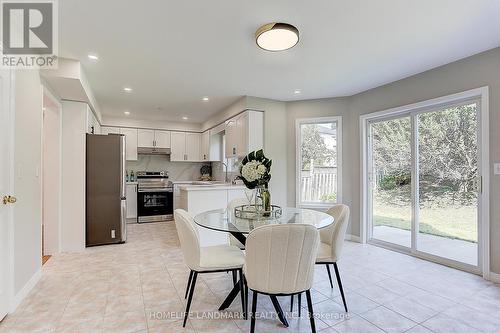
[{"x": 139, "y": 287}]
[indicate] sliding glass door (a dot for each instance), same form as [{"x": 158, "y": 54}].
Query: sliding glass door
[{"x": 423, "y": 178}]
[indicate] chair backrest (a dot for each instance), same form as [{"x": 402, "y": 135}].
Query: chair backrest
[
  {"x": 280, "y": 258},
  {"x": 188, "y": 237},
  {"x": 334, "y": 235}
]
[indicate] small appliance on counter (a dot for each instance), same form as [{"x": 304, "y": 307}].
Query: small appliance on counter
[
  {"x": 155, "y": 197},
  {"x": 105, "y": 190}
]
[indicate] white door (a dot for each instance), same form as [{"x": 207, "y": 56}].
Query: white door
[
  {"x": 130, "y": 143},
  {"x": 6, "y": 153},
  {"x": 162, "y": 139},
  {"x": 193, "y": 146},
  {"x": 146, "y": 138},
  {"x": 178, "y": 146}
]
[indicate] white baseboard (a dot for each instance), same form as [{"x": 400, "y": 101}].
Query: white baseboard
[
  {"x": 21, "y": 295},
  {"x": 352, "y": 238},
  {"x": 494, "y": 277}
]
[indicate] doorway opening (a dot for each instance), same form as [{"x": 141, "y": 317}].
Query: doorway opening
[
  {"x": 51, "y": 175},
  {"x": 425, "y": 169}
]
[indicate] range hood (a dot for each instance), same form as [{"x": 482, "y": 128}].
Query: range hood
[{"x": 153, "y": 151}]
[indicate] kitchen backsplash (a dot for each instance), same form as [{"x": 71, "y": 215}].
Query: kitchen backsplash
[{"x": 177, "y": 170}]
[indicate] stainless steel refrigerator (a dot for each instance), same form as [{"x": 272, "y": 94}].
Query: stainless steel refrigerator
[{"x": 105, "y": 190}]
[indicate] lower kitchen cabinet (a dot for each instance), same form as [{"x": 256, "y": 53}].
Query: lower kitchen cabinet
[{"x": 131, "y": 201}]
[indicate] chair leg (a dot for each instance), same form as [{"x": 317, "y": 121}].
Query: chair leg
[
  {"x": 234, "y": 278},
  {"x": 190, "y": 298},
  {"x": 329, "y": 274},
  {"x": 291, "y": 303},
  {"x": 311, "y": 311},
  {"x": 189, "y": 283},
  {"x": 246, "y": 296},
  {"x": 300, "y": 303},
  {"x": 242, "y": 292},
  {"x": 340, "y": 284},
  {"x": 254, "y": 310}
]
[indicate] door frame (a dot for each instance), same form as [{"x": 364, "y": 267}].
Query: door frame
[
  {"x": 9, "y": 130},
  {"x": 46, "y": 92},
  {"x": 481, "y": 94}
]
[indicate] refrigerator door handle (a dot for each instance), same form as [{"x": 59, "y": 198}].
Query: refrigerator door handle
[
  {"x": 123, "y": 221},
  {"x": 122, "y": 167}
]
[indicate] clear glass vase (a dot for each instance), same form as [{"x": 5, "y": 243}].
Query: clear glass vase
[{"x": 262, "y": 199}]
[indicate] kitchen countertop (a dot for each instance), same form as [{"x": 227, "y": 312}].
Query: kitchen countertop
[
  {"x": 131, "y": 183},
  {"x": 209, "y": 187}
]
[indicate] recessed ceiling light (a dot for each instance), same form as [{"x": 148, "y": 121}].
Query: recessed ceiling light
[
  {"x": 127, "y": 89},
  {"x": 93, "y": 57},
  {"x": 185, "y": 118},
  {"x": 277, "y": 36},
  {"x": 297, "y": 91},
  {"x": 126, "y": 112},
  {"x": 205, "y": 99}
]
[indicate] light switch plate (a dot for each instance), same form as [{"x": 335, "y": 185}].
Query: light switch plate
[{"x": 496, "y": 169}]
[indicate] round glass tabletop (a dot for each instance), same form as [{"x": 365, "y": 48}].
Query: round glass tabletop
[{"x": 223, "y": 220}]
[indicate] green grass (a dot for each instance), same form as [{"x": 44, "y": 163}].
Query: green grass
[{"x": 450, "y": 222}]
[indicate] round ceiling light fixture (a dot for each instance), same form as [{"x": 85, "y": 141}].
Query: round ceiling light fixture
[{"x": 277, "y": 36}]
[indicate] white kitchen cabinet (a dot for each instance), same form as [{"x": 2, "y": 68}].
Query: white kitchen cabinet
[
  {"x": 178, "y": 146},
  {"x": 145, "y": 138},
  {"x": 185, "y": 146},
  {"x": 244, "y": 133},
  {"x": 105, "y": 130},
  {"x": 193, "y": 147},
  {"x": 162, "y": 139},
  {"x": 131, "y": 201},
  {"x": 130, "y": 143},
  {"x": 153, "y": 139},
  {"x": 205, "y": 146}
]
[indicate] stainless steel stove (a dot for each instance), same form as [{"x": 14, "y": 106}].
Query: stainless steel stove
[{"x": 155, "y": 198}]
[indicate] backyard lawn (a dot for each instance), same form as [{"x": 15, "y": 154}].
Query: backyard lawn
[{"x": 450, "y": 222}]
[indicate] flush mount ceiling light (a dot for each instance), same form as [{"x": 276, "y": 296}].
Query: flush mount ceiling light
[
  {"x": 126, "y": 112},
  {"x": 277, "y": 36},
  {"x": 205, "y": 99},
  {"x": 297, "y": 91},
  {"x": 127, "y": 89},
  {"x": 93, "y": 57},
  {"x": 185, "y": 118}
]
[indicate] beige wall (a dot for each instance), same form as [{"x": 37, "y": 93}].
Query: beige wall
[
  {"x": 27, "y": 180},
  {"x": 473, "y": 72}
]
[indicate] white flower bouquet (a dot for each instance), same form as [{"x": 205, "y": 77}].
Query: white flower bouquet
[{"x": 255, "y": 170}]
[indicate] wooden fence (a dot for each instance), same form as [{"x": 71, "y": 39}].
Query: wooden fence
[{"x": 318, "y": 184}]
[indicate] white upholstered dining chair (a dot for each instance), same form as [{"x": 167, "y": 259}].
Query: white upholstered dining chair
[
  {"x": 330, "y": 248},
  {"x": 230, "y": 208},
  {"x": 210, "y": 259},
  {"x": 279, "y": 261}
]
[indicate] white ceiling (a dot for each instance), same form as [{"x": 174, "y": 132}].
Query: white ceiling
[{"x": 172, "y": 53}]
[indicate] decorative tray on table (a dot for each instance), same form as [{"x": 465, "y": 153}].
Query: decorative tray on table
[{"x": 254, "y": 212}]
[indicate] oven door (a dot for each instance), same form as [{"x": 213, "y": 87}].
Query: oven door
[{"x": 154, "y": 205}]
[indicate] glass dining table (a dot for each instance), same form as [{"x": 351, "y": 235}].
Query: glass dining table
[{"x": 226, "y": 221}]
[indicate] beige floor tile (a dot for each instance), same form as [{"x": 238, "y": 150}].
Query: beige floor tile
[
  {"x": 388, "y": 320},
  {"x": 356, "y": 325},
  {"x": 444, "y": 324},
  {"x": 127, "y": 322},
  {"x": 411, "y": 310}
]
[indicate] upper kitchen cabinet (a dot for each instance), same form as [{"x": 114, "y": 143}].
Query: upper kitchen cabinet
[
  {"x": 162, "y": 139},
  {"x": 153, "y": 139},
  {"x": 130, "y": 139},
  {"x": 93, "y": 126},
  {"x": 130, "y": 143},
  {"x": 210, "y": 146},
  {"x": 244, "y": 133},
  {"x": 110, "y": 130},
  {"x": 145, "y": 138},
  {"x": 185, "y": 146}
]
